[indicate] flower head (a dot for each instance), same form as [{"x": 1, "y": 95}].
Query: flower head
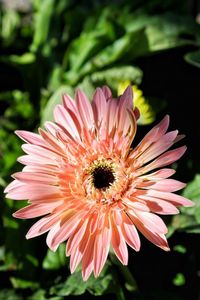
[{"x": 90, "y": 187}]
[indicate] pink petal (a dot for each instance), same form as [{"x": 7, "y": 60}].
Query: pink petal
[
  {"x": 152, "y": 221},
  {"x": 85, "y": 109},
  {"x": 157, "y": 148},
  {"x": 64, "y": 119},
  {"x": 77, "y": 253},
  {"x": 119, "y": 244},
  {"x": 87, "y": 261},
  {"x": 34, "y": 160},
  {"x": 112, "y": 116},
  {"x": 130, "y": 233},
  {"x": 13, "y": 185},
  {"x": 77, "y": 236},
  {"x": 161, "y": 207},
  {"x": 162, "y": 126},
  {"x": 165, "y": 159},
  {"x": 167, "y": 185},
  {"x": 156, "y": 238},
  {"x": 101, "y": 247},
  {"x": 51, "y": 236},
  {"x": 136, "y": 203},
  {"x": 32, "y": 191},
  {"x": 42, "y": 226},
  {"x": 173, "y": 198},
  {"x": 68, "y": 227},
  {"x": 36, "y": 210},
  {"x": 160, "y": 174},
  {"x": 52, "y": 142},
  {"x": 69, "y": 104},
  {"x": 75, "y": 258},
  {"x": 40, "y": 152},
  {"x": 52, "y": 128},
  {"x": 30, "y": 137},
  {"x": 106, "y": 91},
  {"x": 36, "y": 177},
  {"x": 125, "y": 103},
  {"x": 153, "y": 135},
  {"x": 99, "y": 106}
]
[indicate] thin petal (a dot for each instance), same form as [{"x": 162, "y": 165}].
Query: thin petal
[
  {"x": 173, "y": 198},
  {"x": 64, "y": 119},
  {"x": 167, "y": 185},
  {"x": 130, "y": 233},
  {"x": 42, "y": 226},
  {"x": 101, "y": 247},
  {"x": 119, "y": 244},
  {"x": 106, "y": 91},
  {"x": 87, "y": 261},
  {"x": 165, "y": 159},
  {"x": 85, "y": 109},
  {"x": 30, "y": 137},
  {"x": 36, "y": 177},
  {"x": 76, "y": 238},
  {"x": 36, "y": 210}
]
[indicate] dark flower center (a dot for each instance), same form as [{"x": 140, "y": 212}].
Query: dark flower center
[{"x": 103, "y": 177}]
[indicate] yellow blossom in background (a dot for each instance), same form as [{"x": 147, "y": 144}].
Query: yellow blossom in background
[{"x": 147, "y": 115}]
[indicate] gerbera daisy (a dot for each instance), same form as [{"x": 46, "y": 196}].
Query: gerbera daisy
[{"x": 92, "y": 189}]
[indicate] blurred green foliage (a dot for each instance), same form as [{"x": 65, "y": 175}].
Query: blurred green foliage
[{"x": 50, "y": 47}]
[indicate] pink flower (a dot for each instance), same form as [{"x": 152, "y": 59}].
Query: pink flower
[{"x": 92, "y": 187}]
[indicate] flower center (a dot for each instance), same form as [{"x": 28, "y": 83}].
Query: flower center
[{"x": 103, "y": 177}]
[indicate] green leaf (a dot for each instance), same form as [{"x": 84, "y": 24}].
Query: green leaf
[
  {"x": 83, "y": 48},
  {"x": 179, "y": 279},
  {"x": 112, "y": 53},
  {"x": 180, "y": 248},
  {"x": 113, "y": 76},
  {"x": 163, "y": 31},
  {"x": 39, "y": 295},
  {"x": 10, "y": 24},
  {"x": 19, "y": 283},
  {"x": 193, "y": 58},
  {"x": 42, "y": 23},
  {"x": 189, "y": 219},
  {"x": 9, "y": 294},
  {"x": 24, "y": 59},
  {"x": 96, "y": 34},
  {"x": 55, "y": 260},
  {"x": 192, "y": 192},
  {"x": 107, "y": 282},
  {"x": 129, "y": 280}
]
